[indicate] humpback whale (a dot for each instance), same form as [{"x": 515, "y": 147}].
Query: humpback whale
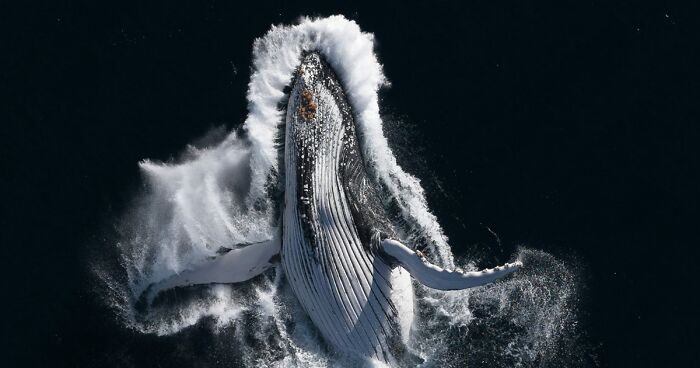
[{"x": 336, "y": 244}]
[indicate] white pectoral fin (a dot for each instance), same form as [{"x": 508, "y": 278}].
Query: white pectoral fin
[
  {"x": 435, "y": 277},
  {"x": 237, "y": 265}
]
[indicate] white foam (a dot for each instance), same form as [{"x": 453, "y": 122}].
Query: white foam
[{"x": 192, "y": 209}]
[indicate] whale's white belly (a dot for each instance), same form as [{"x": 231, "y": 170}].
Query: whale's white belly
[{"x": 344, "y": 287}]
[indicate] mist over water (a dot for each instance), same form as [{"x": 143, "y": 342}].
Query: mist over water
[{"x": 225, "y": 194}]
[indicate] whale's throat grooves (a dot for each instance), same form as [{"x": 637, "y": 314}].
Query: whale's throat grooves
[{"x": 343, "y": 284}]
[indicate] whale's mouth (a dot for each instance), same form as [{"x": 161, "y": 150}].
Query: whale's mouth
[{"x": 223, "y": 195}]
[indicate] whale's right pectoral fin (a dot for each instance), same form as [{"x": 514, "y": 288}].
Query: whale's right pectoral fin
[
  {"x": 435, "y": 277},
  {"x": 237, "y": 265}
]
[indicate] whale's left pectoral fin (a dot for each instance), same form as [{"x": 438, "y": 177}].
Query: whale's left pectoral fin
[
  {"x": 435, "y": 277},
  {"x": 237, "y": 265}
]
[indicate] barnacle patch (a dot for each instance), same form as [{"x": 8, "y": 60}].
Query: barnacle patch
[{"x": 307, "y": 108}]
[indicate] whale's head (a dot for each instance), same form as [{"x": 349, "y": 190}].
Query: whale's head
[{"x": 317, "y": 106}]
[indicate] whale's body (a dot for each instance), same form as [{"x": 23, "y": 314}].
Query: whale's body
[
  {"x": 336, "y": 245},
  {"x": 327, "y": 253}
]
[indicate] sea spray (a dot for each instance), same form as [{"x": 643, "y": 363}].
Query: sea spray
[{"x": 527, "y": 320}]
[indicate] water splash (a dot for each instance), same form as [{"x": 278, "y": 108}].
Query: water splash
[
  {"x": 528, "y": 320},
  {"x": 225, "y": 194}
]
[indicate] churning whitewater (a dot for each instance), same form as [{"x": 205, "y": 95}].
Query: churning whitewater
[{"x": 219, "y": 198}]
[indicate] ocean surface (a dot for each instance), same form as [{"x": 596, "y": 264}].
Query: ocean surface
[{"x": 562, "y": 134}]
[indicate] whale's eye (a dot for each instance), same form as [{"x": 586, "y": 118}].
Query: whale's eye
[{"x": 307, "y": 107}]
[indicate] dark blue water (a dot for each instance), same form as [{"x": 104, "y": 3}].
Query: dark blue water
[{"x": 570, "y": 128}]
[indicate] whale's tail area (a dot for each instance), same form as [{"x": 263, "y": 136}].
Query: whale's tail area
[
  {"x": 435, "y": 277},
  {"x": 236, "y": 265}
]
